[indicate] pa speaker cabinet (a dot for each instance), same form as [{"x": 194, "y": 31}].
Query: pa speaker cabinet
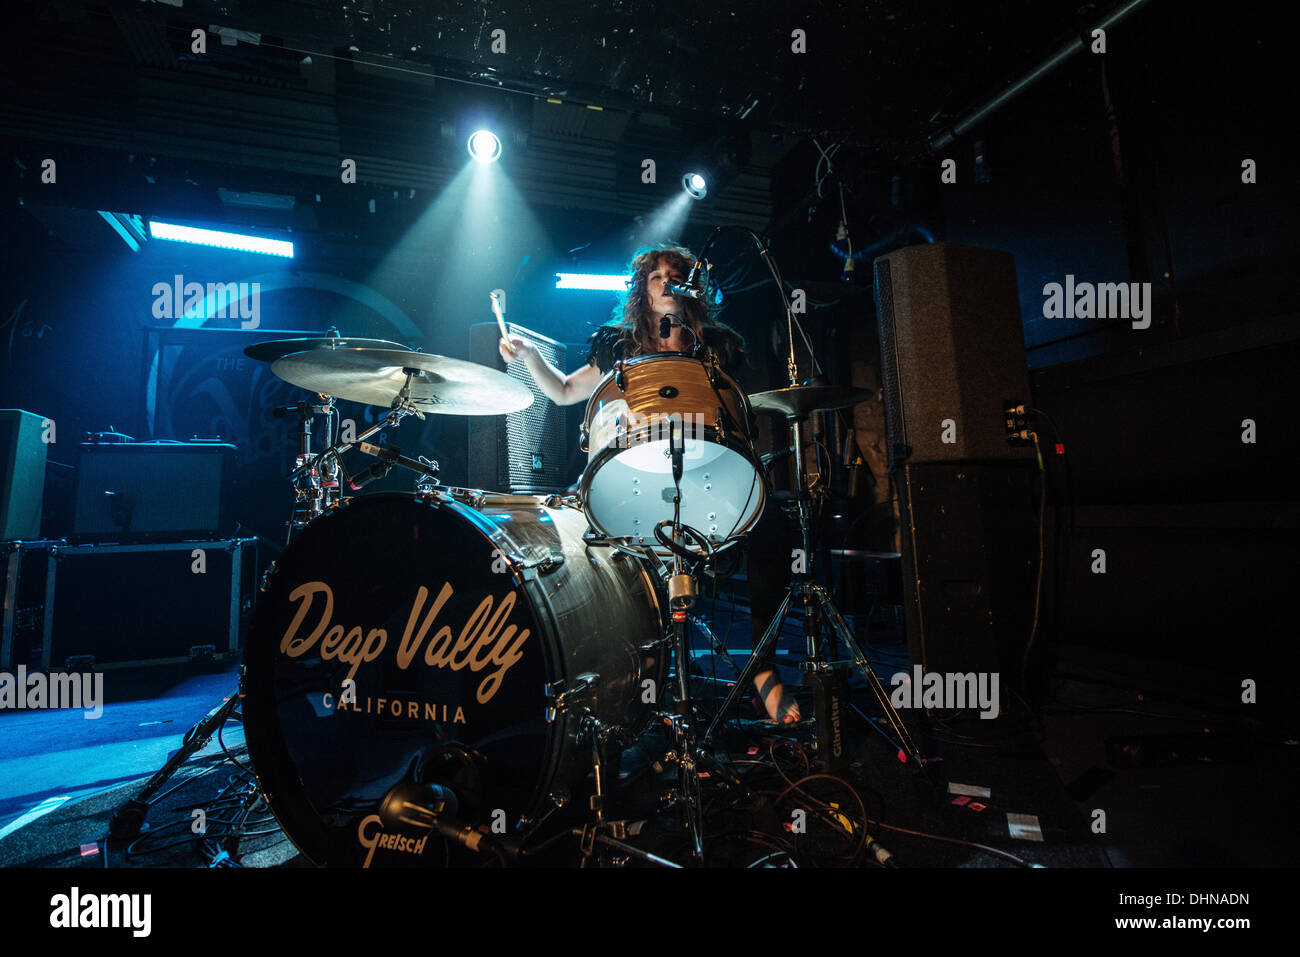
[
  {"x": 969, "y": 546},
  {"x": 22, "y": 474},
  {"x": 145, "y": 604},
  {"x": 526, "y": 451},
  {"x": 153, "y": 491},
  {"x": 952, "y": 352}
]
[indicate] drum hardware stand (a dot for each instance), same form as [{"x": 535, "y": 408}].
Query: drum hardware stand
[
  {"x": 609, "y": 833},
  {"x": 129, "y": 819},
  {"x": 719, "y": 647},
  {"x": 562, "y": 701},
  {"x": 315, "y": 478},
  {"x": 816, "y": 603},
  {"x": 683, "y": 588},
  {"x": 818, "y": 611},
  {"x": 589, "y": 836},
  {"x": 557, "y": 799},
  {"x": 307, "y": 474}
]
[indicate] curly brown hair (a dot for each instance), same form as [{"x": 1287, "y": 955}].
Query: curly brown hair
[{"x": 632, "y": 311}]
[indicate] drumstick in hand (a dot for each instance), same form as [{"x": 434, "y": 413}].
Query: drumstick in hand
[{"x": 501, "y": 319}]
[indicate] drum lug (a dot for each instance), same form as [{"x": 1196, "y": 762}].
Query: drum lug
[
  {"x": 559, "y": 697},
  {"x": 431, "y": 494},
  {"x": 584, "y": 439},
  {"x": 654, "y": 649},
  {"x": 620, "y": 378},
  {"x": 543, "y": 566}
]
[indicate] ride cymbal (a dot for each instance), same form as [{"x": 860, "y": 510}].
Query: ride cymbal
[{"x": 376, "y": 377}]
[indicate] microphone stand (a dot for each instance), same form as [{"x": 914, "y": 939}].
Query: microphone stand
[
  {"x": 817, "y": 608},
  {"x": 682, "y": 589}
]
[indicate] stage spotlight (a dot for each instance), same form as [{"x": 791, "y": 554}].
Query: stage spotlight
[
  {"x": 695, "y": 185},
  {"x": 484, "y": 146},
  {"x": 713, "y": 166}
]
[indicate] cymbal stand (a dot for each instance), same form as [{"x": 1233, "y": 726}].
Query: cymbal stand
[
  {"x": 818, "y": 612},
  {"x": 315, "y": 477}
]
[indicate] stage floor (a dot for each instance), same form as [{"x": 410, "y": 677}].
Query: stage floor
[{"x": 1175, "y": 786}]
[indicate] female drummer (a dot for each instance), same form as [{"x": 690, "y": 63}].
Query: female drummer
[{"x": 636, "y": 331}]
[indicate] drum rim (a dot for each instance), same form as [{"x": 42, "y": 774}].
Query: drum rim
[{"x": 608, "y": 377}]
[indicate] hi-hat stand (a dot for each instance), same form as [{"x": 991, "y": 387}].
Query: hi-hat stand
[
  {"x": 797, "y": 403},
  {"x": 818, "y": 612}
]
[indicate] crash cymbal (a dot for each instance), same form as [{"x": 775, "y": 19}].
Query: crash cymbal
[
  {"x": 798, "y": 401},
  {"x": 376, "y": 376},
  {"x": 277, "y": 348}
]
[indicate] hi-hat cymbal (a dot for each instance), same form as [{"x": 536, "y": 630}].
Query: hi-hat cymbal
[
  {"x": 274, "y": 349},
  {"x": 800, "y": 400},
  {"x": 376, "y": 376}
]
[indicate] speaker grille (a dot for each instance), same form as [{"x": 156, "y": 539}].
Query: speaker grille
[
  {"x": 535, "y": 436},
  {"x": 952, "y": 353},
  {"x": 22, "y": 474},
  {"x": 524, "y": 451},
  {"x": 895, "y": 430}
]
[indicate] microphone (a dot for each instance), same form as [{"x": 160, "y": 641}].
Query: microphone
[
  {"x": 394, "y": 456},
  {"x": 376, "y": 471},
  {"x": 434, "y": 807},
  {"x": 770, "y": 457},
  {"x": 665, "y": 325},
  {"x": 690, "y": 288},
  {"x": 417, "y": 805},
  {"x": 677, "y": 446}
]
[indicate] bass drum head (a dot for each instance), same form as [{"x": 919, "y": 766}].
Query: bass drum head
[{"x": 446, "y": 661}]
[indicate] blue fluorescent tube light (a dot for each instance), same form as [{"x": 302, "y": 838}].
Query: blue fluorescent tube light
[
  {"x": 216, "y": 237},
  {"x": 584, "y": 280},
  {"x": 126, "y": 225}
]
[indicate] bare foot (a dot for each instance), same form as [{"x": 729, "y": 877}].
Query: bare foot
[{"x": 782, "y": 708}]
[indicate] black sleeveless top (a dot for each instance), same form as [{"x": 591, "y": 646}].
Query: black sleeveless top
[{"x": 610, "y": 343}]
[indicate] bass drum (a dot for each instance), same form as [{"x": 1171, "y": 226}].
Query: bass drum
[{"x": 410, "y": 639}]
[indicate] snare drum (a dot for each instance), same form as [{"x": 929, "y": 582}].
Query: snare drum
[
  {"x": 410, "y": 638},
  {"x": 628, "y": 488}
]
